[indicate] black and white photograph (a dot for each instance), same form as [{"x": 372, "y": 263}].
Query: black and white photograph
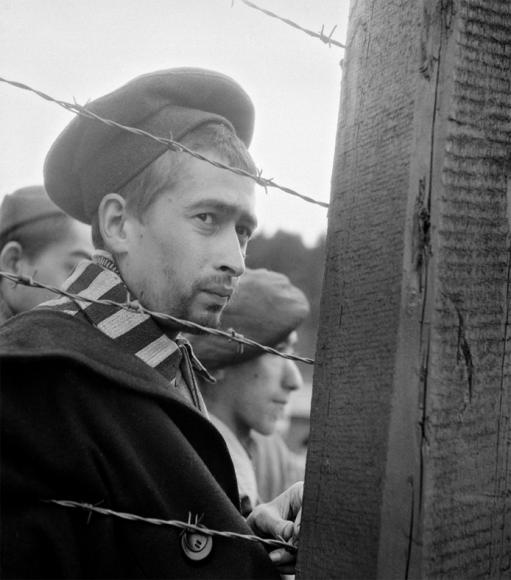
[{"x": 255, "y": 289}]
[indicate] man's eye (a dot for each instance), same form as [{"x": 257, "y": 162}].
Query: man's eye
[
  {"x": 207, "y": 218},
  {"x": 244, "y": 232}
]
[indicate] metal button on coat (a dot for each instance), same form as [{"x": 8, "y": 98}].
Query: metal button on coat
[{"x": 196, "y": 546}]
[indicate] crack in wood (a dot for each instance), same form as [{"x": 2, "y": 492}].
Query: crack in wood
[
  {"x": 448, "y": 10},
  {"x": 421, "y": 241},
  {"x": 410, "y": 529},
  {"x": 424, "y": 421},
  {"x": 463, "y": 351}
]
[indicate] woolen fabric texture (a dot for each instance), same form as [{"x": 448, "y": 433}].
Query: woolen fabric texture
[
  {"x": 90, "y": 159},
  {"x": 82, "y": 420}
]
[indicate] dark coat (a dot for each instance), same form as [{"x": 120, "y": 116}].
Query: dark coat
[{"x": 84, "y": 421}]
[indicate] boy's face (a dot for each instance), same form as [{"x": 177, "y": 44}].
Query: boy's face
[
  {"x": 185, "y": 255},
  {"x": 259, "y": 390},
  {"x": 52, "y": 266}
]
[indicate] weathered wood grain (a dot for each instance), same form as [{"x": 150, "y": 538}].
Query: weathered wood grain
[{"x": 409, "y": 463}]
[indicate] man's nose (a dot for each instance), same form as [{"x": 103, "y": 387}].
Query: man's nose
[
  {"x": 292, "y": 379},
  {"x": 231, "y": 257}
]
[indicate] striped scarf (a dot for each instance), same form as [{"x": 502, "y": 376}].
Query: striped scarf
[{"x": 134, "y": 332}]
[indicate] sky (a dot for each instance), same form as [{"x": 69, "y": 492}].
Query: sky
[{"x": 81, "y": 49}]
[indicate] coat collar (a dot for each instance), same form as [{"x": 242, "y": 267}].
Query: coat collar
[{"x": 43, "y": 333}]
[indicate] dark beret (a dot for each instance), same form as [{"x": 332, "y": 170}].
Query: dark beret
[
  {"x": 265, "y": 308},
  {"x": 90, "y": 159},
  {"x": 24, "y": 206}
]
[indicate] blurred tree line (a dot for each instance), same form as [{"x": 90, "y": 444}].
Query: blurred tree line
[{"x": 285, "y": 252}]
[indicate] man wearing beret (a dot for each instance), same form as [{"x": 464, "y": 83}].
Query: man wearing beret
[
  {"x": 253, "y": 387},
  {"x": 100, "y": 405}
]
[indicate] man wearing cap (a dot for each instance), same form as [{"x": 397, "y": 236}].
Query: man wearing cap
[
  {"x": 100, "y": 405},
  {"x": 36, "y": 239},
  {"x": 253, "y": 387}
]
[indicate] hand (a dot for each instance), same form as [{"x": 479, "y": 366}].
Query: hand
[{"x": 280, "y": 517}]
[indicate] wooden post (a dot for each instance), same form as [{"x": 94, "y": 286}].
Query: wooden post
[{"x": 409, "y": 467}]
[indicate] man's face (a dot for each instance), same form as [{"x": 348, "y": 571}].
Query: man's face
[
  {"x": 186, "y": 254},
  {"x": 263, "y": 387}
]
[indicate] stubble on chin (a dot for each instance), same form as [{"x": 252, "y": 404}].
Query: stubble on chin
[
  {"x": 209, "y": 315},
  {"x": 210, "y": 318}
]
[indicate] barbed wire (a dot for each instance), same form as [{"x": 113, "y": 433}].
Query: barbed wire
[
  {"x": 167, "y": 142},
  {"x": 185, "y": 526},
  {"x": 325, "y": 38},
  {"x": 137, "y": 307}
]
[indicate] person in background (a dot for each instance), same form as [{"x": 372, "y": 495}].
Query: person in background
[
  {"x": 253, "y": 388},
  {"x": 39, "y": 240}
]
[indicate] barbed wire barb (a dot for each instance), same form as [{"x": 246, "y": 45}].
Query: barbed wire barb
[
  {"x": 329, "y": 37},
  {"x": 328, "y": 40},
  {"x": 185, "y": 526},
  {"x": 131, "y": 306},
  {"x": 169, "y": 143}
]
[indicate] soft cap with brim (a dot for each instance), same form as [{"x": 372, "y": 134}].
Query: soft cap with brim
[
  {"x": 265, "y": 308},
  {"x": 90, "y": 159},
  {"x": 24, "y": 206}
]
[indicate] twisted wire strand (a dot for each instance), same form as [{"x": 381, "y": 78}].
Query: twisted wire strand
[
  {"x": 326, "y": 39},
  {"x": 272, "y": 543},
  {"x": 167, "y": 142},
  {"x": 177, "y": 322}
]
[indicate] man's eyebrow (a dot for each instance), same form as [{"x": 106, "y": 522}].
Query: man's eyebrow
[
  {"x": 250, "y": 220},
  {"x": 225, "y": 208}
]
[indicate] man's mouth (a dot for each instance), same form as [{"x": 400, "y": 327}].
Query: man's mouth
[{"x": 221, "y": 292}]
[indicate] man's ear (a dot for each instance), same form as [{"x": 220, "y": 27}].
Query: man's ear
[
  {"x": 10, "y": 257},
  {"x": 112, "y": 222}
]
